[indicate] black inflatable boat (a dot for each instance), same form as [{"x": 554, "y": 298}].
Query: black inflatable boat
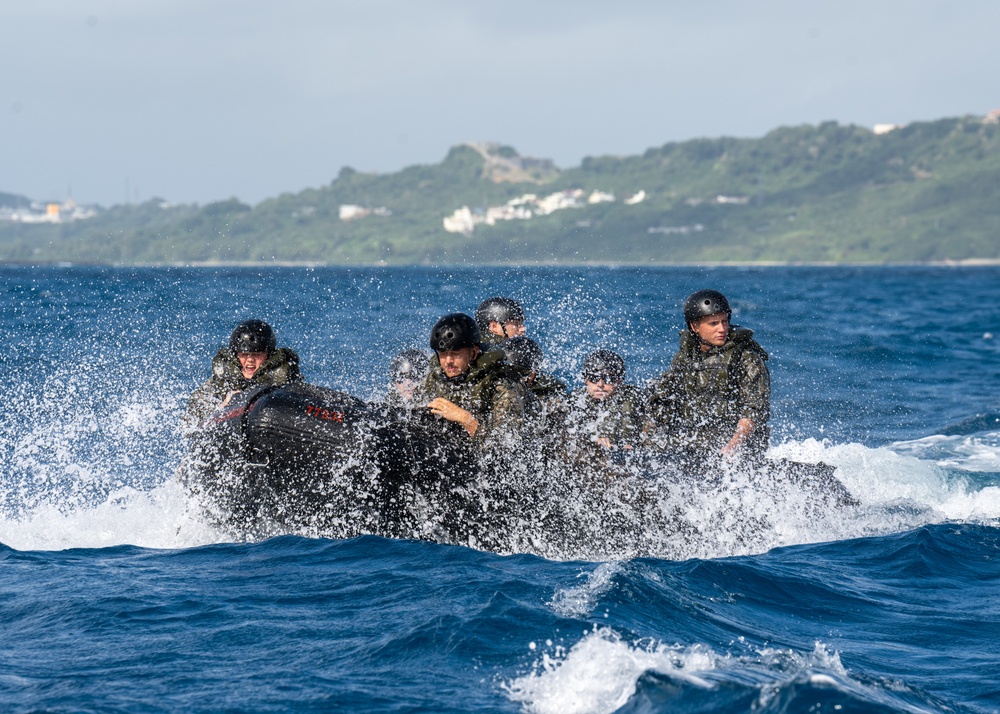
[{"x": 315, "y": 461}]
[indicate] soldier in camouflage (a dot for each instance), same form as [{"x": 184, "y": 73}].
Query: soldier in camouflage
[
  {"x": 607, "y": 411},
  {"x": 499, "y": 319},
  {"x": 251, "y": 359},
  {"x": 716, "y": 395},
  {"x": 408, "y": 371},
  {"x": 472, "y": 387},
  {"x": 524, "y": 354}
]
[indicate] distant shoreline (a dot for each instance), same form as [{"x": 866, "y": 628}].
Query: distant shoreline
[{"x": 964, "y": 263}]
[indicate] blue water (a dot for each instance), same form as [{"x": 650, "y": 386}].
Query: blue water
[{"x": 116, "y": 594}]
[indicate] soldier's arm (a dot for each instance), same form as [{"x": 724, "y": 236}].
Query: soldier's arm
[
  {"x": 755, "y": 401},
  {"x": 205, "y": 400},
  {"x": 507, "y": 409},
  {"x": 755, "y": 389},
  {"x": 744, "y": 429},
  {"x": 452, "y": 412}
]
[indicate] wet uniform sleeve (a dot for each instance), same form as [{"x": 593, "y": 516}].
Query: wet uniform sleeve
[
  {"x": 755, "y": 389},
  {"x": 506, "y": 415},
  {"x": 664, "y": 393},
  {"x": 634, "y": 414},
  {"x": 202, "y": 403},
  {"x": 659, "y": 399}
]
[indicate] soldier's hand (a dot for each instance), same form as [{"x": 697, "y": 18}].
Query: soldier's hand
[{"x": 452, "y": 412}]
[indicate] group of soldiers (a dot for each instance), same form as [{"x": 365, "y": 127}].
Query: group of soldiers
[{"x": 486, "y": 376}]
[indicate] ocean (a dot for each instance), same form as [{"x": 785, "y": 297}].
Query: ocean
[{"x": 118, "y": 594}]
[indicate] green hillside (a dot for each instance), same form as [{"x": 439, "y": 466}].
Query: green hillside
[{"x": 830, "y": 193}]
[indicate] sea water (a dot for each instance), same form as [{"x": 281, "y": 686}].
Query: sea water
[{"x": 117, "y": 594}]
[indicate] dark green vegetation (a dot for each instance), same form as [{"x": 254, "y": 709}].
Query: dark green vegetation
[{"x": 925, "y": 192}]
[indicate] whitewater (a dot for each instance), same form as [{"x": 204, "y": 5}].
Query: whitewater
[{"x": 118, "y": 594}]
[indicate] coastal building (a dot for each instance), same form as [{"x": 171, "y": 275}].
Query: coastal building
[
  {"x": 351, "y": 212},
  {"x": 65, "y": 212},
  {"x": 601, "y": 197},
  {"x": 461, "y": 221},
  {"x": 464, "y": 220}
]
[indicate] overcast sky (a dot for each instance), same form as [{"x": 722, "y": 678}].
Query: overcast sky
[{"x": 202, "y": 100}]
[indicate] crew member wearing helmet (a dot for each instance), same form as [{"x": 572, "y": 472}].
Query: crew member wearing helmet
[
  {"x": 408, "y": 371},
  {"x": 606, "y": 411},
  {"x": 499, "y": 318},
  {"x": 716, "y": 395},
  {"x": 469, "y": 386},
  {"x": 524, "y": 355},
  {"x": 251, "y": 359}
]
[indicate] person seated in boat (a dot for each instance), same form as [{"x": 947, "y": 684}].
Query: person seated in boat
[
  {"x": 499, "y": 319},
  {"x": 716, "y": 395},
  {"x": 525, "y": 355},
  {"x": 251, "y": 359},
  {"x": 470, "y": 386},
  {"x": 606, "y": 411},
  {"x": 408, "y": 370}
]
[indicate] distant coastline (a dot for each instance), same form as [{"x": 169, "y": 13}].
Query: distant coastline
[
  {"x": 921, "y": 194},
  {"x": 969, "y": 263}
]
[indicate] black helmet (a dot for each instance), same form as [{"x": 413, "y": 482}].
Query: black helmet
[
  {"x": 522, "y": 352},
  {"x": 498, "y": 309},
  {"x": 604, "y": 364},
  {"x": 704, "y": 303},
  {"x": 409, "y": 364},
  {"x": 455, "y": 331},
  {"x": 253, "y": 336}
]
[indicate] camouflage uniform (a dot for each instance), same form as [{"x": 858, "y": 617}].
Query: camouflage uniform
[
  {"x": 618, "y": 417},
  {"x": 281, "y": 367},
  {"x": 490, "y": 340},
  {"x": 489, "y": 390},
  {"x": 698, "y": 403},
  {"x": 552, "y": 396}
]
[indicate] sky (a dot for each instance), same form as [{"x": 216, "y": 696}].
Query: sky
[{"x": 194, "y": 101}]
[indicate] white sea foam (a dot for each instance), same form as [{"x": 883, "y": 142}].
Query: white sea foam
[
  {"x": 977, "y": 453},
  {"x": 164, "y": 517},
  {"x": 580, "y": 600},
  {"x": 874, "y": 475},
  {"x": 601, "y": 672},
  {"x": 894, "y": 475}
]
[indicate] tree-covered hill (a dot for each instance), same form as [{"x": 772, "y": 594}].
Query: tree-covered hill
[{"x": 925, "y": 192}]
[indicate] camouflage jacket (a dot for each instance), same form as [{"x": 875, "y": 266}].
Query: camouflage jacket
[
  {"x": 699, "y": 401},
  {"x": 490, "y": 340},
  {"x": 618, "y": 417},
  {"x": 546, "y": 404},
  {"x": 489, "y": 390},
  {"x": 281, "y": 367},
  {"x": 546, "y": 387}
]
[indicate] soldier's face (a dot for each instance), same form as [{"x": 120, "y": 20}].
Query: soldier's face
[
  {"x": 713, "y": 329},
  {"x": 456, "y": 362},
  {"x": 250, "y": 362},
  {"x": 600, "y": 389},
  {"x": 508, "y": 329},
  {"x": 406, "y": 388},
  {"x": 513, "y": 329}
]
